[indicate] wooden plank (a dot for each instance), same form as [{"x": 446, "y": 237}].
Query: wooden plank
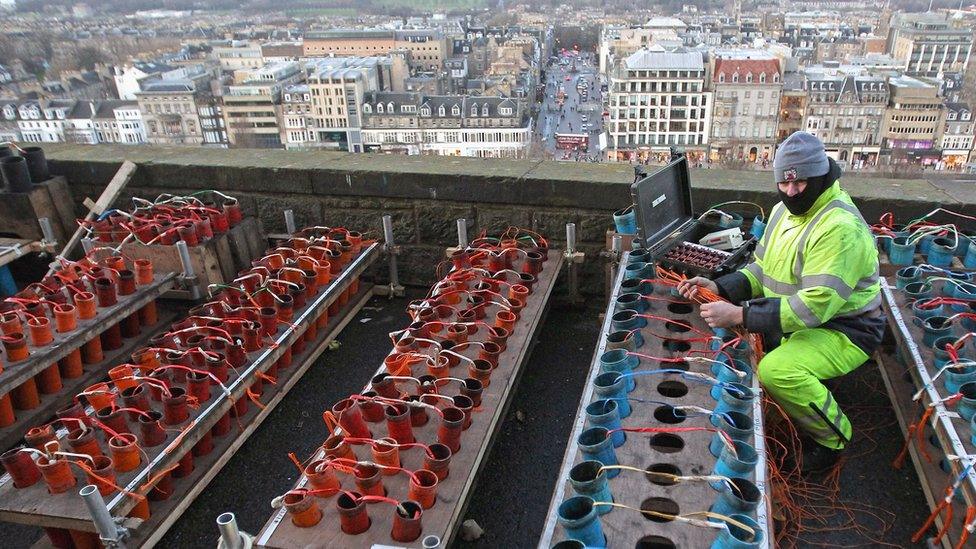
[
  {"x": 12, "y": 249},
  {"x": 225, "y": 260},
  {"x": 111, "y": 192},
  {"x": 14, "y": 374},
  {"x": 11, "y": 435},
  {"x": 443, "y": 518},
  {"x": 166, "y": 513},
  {"x": 203, "y": 259},
  {"x": 624, "y": 528},
  {"x": 933, "y": 478},
  {"x": 63, "y": 511},
  {"x": 64, "y": 203}
]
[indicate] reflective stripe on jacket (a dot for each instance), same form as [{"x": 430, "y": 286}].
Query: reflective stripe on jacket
[{"x": 822, "y": 266}]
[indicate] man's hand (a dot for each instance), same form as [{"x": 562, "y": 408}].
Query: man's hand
[
  {"x": 689, "y": 287},
  {"x": 721, "y": 314}
]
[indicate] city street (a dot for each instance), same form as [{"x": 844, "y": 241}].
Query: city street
[{"x": 575, "y": 111}]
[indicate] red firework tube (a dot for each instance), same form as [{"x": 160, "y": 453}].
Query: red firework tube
[
  {"x": 311, "y": 332},
  {"x": 418, "y": 414},
  {"x": 112, "y": 337},
  {"x": 25, "y": 396},
  {"x": 406, "y": 521},
  {"x": 70, "y": 366},
  {"x": 335, "y": 447},
  {"x": 240, "y": 406},
  {"x": 198, "y": 386},
  {"x": 423, "y": 488},
  {"x": 369, "y": 481},
  {"x": 84, "y": 442},
  {"x": 285, "y": 308},
  {"x": 449, "y": 431},
  {"x": 15, "y": 345},
  {"x": 203, "y": 228},
  {"x": 204, "y": 446},
  {"x": 91, "y": 352},
  {"x": 144, "y": 271},
  {"x": 149, "y": 427},
  {"x": 105, "y": 292},
  {"x": 304, "y": 510},
  {"x": 384, "y": 387},
  {"x": 163, "y": 488},
  {"x": 125, "y": 452},
  {"x": 113, "y": 418},
  {"x": 218, "y": 221},
  {"x": 49, "y": 380},
  {"x": 269, "y": 320},
  {"x": 130, "y": 326},
  {"x": 322, "y": 478},
  {"x": 372, "y": 410},
  {"x": 37, "y": 437},
  {"x": 7, "y": 417},
  {"x": 252, "y": 337},
  {"x": 480, "y": 370},
  {"x": 188, "y": 234},
  {"x": 233, "y": 211},
  {"x": 222, "y": 427},
  {"x": 464, "y": 404},
  {"x": 175, "y": 410},
  {"x": 57, "y": 474},
  {"x": 298, "y": 294},
  {"x": 285, "y": 360},
  {"x": 184, "y": 467},
  {"x": 121, "y": 376},
  {"x": 352, "y": 513},
  {"x": 65, "y": 317},
  {"x": 137, "y": 398},
  {"x": 10, "y": 324},
  {"x": 21, "y": 468},
  {"x": 71, "y": 413},
  {"x": 505, "y": 319},
  {"x": 298, "y": 346},
  {"x": 257, "y": 386},
  {"x": 386, "y": 452},
  {"x": 102, "y": 475},
  {"x": 350, "y": 418},
  {"x": 85, "y": 302},
  {"x": 127, "y": 282},
  {"x": 473, "y": 389},
  {"x": 220, "y": 369},
  {"x": 398, "y": 423}
]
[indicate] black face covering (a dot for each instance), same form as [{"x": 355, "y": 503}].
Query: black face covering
[{"x": 802, "y": 202}]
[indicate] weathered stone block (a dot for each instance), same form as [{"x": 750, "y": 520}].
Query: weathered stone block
[
  {"x": 438, "y": 224},
  {"x": 404, "y": 226},
  {"x": 552, "y": 224},
  {"x": 495, "y": 220},
  {"x": 270, "y": 210},
  {"x": 593, "y": 227}
]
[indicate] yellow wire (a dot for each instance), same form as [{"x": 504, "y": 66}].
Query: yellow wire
[{"x": 686, "y": 516}]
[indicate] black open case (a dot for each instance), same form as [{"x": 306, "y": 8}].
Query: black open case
[{"x": 662, "y": 202}]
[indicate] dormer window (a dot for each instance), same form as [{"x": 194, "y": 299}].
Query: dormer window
[
  {"x": 389, "y": 108},
  {"x": 762, "y": 78},
  {"x": 474, "y": 110},
  {"x": 456, "y": 110},
  {"x": 441, "y": 112},
  {"x": 952, "y": 115},
  {"x": 425, "y": 111},
  {"x": 379, "y": 108},
  {"x": 367, "y": 109},
  {"x": 749, "y": 78},
  {"x": 735, "y": 78},
  {"x": 484, "y": 110},
  {"x": 775, "y": 78},
  {"x": 721, "y": 78},
  {"x": 966, "y": 115}
]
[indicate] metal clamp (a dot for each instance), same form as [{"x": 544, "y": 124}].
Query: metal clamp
[
  {"x": 462, "y": 230},
  {"x": 573, "y": 260},
  {"x": 392, "y": 250},
  {"x": 110, "y": 533},
  {"x": 189, "y": 277},
  {"x": 290, "y": 222},
  {"x": 49, "y": 241}
]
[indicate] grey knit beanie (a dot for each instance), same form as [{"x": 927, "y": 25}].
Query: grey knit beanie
[{"x": 800, "y": 156}]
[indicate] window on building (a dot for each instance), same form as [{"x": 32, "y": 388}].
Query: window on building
[
  {"x": 367, "y": 109},
  {"x": 749, "y": 78},
  {"x": 721, "y": 78},
  {"x": 735, "y": 77},
  {"x": 762, "y": 78},
  {"x": 455, "y": 110}
]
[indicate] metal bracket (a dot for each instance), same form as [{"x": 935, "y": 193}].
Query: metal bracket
[
  {"x": 48, "y": 242},
  {"x": 189, "y": 277},
  {"x": 573, "y": 259},
  {"x": 110, "y": 532},
  {"x": 290, "y": 222},
  {"x": 392, "y": 251}
]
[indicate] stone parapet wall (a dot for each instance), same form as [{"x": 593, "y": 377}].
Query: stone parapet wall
[{"x": 425, "y": 195}]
